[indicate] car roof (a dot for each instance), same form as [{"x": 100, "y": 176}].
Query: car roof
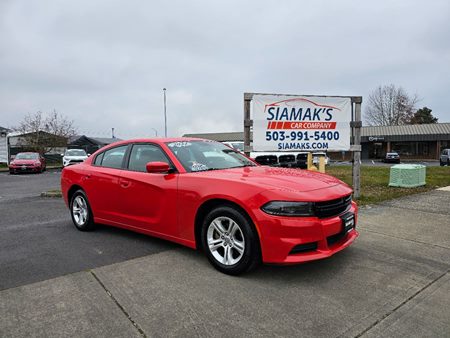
[{"x": 163, "y": 139}]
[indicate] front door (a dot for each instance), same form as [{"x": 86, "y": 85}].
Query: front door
[{"x": 148, "y": 201}]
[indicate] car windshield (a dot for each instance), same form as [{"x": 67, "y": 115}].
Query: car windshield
[
  {"x": 75, "y": 152},
  {"x": 27, "y": 156},
  {"x": 207, "y": 155}
]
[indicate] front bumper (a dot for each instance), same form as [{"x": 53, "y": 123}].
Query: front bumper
[
  {"x": 24, "y": 169},
  {"x": 324, "y": 237}
]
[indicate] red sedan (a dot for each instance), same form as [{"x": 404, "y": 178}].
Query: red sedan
[
  {"x": 203, "y": 194},
  {"x": 27, "y": 162}
]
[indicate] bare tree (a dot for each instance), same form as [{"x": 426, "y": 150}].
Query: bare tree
[
  {"x": 44, "y": 132},
  {"x": 390, "y": 106}
]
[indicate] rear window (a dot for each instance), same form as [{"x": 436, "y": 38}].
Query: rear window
[
  {"x": 98, "y": 159},
  {"x": 113, "y": 158}
]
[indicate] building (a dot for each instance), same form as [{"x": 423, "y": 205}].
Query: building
[
  {"x": 414, "y": 141},
  {"x": 51, "y": 144},
  {"x": 3, "y": 145},
  {"x": 418, "y": 141},
  {"x": 90, "y": 144}
]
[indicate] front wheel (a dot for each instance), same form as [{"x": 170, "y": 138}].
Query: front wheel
[
  {"x": 230, "y": 241},
  {"x": 80, "y": 211}
]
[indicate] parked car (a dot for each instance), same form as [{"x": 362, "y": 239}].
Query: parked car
[
  {"x": 392, "y": 157},
  {"x": 74, "y": 156},
  {"x": 444, "y": 159},
  {"x": 27, "y": 162},
  {"x": 204, "y": 195},
  {"x": 317, "y": 155}
]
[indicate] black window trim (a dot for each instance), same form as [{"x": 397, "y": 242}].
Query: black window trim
[{"x": 102, "y": 153}]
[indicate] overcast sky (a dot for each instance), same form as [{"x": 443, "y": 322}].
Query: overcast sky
[{"x": 104, "y": 63}]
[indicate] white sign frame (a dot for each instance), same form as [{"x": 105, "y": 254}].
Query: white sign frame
[{"x": 355, "y": 125}]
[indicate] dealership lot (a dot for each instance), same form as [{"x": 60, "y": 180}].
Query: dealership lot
[{"x": 57, "y": 281}]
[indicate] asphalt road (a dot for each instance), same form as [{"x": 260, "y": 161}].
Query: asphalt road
[{"x": 38, "y": 240}]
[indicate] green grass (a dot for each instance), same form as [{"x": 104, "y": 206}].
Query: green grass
[
  {"x": 375, "y": 180},
  {"x": 3, "y": 165}
]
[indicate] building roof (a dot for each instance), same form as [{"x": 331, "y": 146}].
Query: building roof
[
  {"x": 410, "y": 132},
  {"x": 4, "y": 130},
  {"x": 407, "y": 129},
  {"x": 93, "y": 140},
  {"x": 221, "y": 137}
]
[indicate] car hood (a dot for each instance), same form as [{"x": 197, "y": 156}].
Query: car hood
[
  {"x": 294, "y": 180},
  {"x": 75, "y": 157}
]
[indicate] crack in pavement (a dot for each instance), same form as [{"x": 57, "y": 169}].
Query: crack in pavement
[
  {"x": 136, "y": 325},
  {"x": 386, "y": 315}
]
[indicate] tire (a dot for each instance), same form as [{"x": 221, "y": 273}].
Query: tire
[
  {"x": 230, "y": 241},
  {"x": 80, "y": 211}
]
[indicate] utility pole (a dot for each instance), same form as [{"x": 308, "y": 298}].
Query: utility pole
[
  {"x": 165, "y": 113},
  {"x": 112, "y": 132},
  {"x": 156, "y": 132}
]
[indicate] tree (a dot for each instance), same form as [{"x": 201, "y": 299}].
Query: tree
[
  {"x": 423, "y": 116},
  {"x": 389, "y": 105},
  {"x": 44, "y": 132}
]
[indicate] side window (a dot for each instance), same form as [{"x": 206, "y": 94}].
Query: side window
[
  {"x": 141, "y": 154},
  {"x": 98, "y": 159},
  {"x": 113, "y": 158}
]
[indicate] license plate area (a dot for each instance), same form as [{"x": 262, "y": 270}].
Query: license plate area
[{"x": 348, "y": 222}]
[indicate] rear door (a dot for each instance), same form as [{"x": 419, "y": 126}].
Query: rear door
[
  {"x": 101, "y": 183},
  {"x": 148, "y": 201}
]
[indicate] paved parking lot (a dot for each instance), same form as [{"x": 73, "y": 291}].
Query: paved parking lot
[{"x": 56, "y": 281}]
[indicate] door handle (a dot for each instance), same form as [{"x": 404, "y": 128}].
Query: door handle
[
  {"x": 125, "y": 184},
  {"x": 85, "y": 177}
]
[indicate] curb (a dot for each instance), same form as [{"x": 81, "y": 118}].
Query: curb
[{"x": 51, "y": 194}]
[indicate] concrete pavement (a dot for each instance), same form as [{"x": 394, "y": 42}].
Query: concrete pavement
[{"x": 394, "y": 281}]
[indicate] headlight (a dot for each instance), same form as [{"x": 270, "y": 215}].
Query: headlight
[{"x": 284, "y": 208}]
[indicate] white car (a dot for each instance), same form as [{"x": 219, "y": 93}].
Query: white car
[
  {"x": 74, "y": 156},
  {"x": 319, "y": 154}
]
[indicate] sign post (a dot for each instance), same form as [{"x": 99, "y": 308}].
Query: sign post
[{"x": 304, "y": 123}]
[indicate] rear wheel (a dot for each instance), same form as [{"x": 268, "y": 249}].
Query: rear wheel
[
  {"x": 80, "y": 211},
  {"x": 230, "y": 241}
]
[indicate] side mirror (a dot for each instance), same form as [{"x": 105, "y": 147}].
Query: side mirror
[
  {"x": 157, "y": 167},
  {"x": 88, "y": 155}
]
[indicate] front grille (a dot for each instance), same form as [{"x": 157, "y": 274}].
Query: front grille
[{"x": 333, "y": 207}]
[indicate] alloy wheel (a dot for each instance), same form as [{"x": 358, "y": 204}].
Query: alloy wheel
[
  {"x": 80, "y": 210},
  {"x": 225, "y": 240}
]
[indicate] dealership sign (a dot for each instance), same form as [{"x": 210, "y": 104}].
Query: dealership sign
[{"x": 301, "y": 123}]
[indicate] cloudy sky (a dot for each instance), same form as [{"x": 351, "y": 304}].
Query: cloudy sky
[{"x": 104, "y": 63}]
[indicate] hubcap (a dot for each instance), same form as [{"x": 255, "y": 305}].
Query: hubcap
[
  {"x": 80, "y": 210},
  {"x": 225, "y": 240}
]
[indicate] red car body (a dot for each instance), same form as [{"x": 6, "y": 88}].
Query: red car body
[
  {"x": 27, "y": 162},
  {"x": 171, "y": 205}
]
